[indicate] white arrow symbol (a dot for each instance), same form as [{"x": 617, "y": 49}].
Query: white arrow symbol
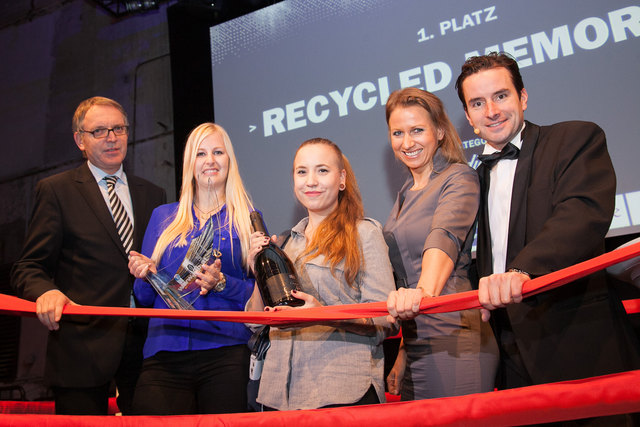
[{"x": 251, "y": 128}]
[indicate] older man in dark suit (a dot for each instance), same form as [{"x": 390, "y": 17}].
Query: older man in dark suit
[
  {"x": 547, "y": 202},
  {"x": 84, "y": 223}
]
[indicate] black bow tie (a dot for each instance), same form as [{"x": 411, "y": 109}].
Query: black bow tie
[{"x": 509, "y": 151}]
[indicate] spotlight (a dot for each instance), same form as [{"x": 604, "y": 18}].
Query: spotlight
[
  {"x": 121, "y": 8},
  {"x": 133, "y": 6}
]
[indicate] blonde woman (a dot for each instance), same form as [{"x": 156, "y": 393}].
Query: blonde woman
[{"x": 193, "y": 366}]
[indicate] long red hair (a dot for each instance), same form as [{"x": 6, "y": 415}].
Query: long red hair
[{"x": 337, "y": 235}]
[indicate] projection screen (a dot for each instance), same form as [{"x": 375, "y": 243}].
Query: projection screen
[{"x": 301, "y": 69}]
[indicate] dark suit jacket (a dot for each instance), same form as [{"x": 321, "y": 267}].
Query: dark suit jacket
[
  {"x": 72, "y": 245},
  {"x": 561, "y": 208}
]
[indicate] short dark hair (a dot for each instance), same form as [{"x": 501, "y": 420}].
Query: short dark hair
[
  {"x": 476, "y": 64},
  {"x": 83, "y": 108}
]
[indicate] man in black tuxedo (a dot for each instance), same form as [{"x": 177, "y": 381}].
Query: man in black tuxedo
[
  {"x": 76, "y": 252},
  {"x": 547, "y": 202}
]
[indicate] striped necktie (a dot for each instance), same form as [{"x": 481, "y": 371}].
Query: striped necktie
[{"x": 120, "y": 217}]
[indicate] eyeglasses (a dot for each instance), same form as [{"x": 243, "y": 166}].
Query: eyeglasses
[{"x": 104, "y": 132}]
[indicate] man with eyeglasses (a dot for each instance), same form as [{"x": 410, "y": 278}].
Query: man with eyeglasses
[{"x": 83, "y": 225}]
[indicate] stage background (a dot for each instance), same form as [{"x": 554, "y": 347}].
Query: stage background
[{"x": 301, "y": 69}]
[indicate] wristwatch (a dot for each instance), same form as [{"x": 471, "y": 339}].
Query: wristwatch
[
  {"x": 517, "y": 270},
  {"x": 222, "y": 283}
]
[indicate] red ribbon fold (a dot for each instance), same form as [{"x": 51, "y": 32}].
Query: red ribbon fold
[{"x": 441, "y": 304}]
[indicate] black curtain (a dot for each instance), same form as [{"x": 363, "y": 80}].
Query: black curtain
[{"x": 189, "y": 43}]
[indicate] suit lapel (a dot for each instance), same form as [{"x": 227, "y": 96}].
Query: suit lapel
[
  {"x": 136, "y": 190},
  {"x": 91, "y": 193},
  {"x": 484, "y": 254},
  {"x": 518, "y": 214}
]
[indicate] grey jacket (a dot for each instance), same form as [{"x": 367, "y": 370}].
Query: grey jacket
[{"x": 315, "y": 366}]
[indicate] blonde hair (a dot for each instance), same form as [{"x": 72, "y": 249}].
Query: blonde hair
[
  {"x": 337, "y": 235},
  {"x": 236, "y": 197}
]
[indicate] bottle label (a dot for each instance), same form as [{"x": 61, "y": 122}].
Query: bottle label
[{"x": 280, "y": 287}]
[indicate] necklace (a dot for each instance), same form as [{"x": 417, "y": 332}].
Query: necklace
[
  {"x": 206, "y": 214},
  {"x": 215, "y": 252}
]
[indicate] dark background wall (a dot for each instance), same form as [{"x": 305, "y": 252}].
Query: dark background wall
[{"x": 55, "y": 53}]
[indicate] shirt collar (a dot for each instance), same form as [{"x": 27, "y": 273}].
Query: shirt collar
[
  {"x": 517, "y": 141},
  {"x": 301, "y": 226},
  {"x": 440, "y": 162},
  {"x": 99, "y": 174}
]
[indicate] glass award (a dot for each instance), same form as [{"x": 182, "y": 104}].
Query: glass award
[{"x": 180, "y": 290}]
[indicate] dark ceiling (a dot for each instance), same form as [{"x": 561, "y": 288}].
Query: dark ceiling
[{"x": 15, "y": 12}]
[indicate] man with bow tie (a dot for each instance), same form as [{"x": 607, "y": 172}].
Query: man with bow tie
[{"x": 547, "y": 202}]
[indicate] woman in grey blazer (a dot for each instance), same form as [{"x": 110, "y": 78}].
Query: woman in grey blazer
[{"x": 445, "y": 354}]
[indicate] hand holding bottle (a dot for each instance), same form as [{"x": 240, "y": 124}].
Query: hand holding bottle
[
  {"x": 257, "y": 241},
  {"x": 309, "y": 302},
  {"x": 276, "y": 275}
]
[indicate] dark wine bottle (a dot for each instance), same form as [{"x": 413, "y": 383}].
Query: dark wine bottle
[{"x": 275, "y": 274}]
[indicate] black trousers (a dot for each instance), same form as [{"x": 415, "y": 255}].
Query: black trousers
[
  {"x": 369, "y": 398},
  {"x": 194, "y": 382},
  {"x": 82, "y": 400},
  {"x": 95, "y": 400}
]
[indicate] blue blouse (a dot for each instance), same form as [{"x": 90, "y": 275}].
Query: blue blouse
[{"x": 182, "y": 335}]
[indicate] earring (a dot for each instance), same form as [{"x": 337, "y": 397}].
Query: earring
[
  {"x": 476, "y": 131},
  {"x": 342, "y": 187}
]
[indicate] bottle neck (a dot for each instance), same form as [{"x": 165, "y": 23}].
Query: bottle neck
[{"x": 257, "y": 223}]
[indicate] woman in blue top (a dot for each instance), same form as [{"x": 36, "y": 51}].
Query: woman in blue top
[{"x": 195, "y": 366}]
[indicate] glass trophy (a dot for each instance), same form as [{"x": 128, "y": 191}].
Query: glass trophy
[{"x": 180, "y": 290}]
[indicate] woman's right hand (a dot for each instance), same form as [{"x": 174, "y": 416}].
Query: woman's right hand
[
  {"x": 140, "y": 265},
  {"x": 396, "y": 375},
  {"x": 404, "y": 304},
  {"x": 257, "y": 241}
]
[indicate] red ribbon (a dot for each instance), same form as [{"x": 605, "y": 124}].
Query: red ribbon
[
  {"x": 441, "y": 304},
  {"x": 544, "y": 403}
]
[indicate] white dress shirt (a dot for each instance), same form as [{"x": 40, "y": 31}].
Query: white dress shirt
[
  {"x": 500, "y": 190},
  {"x": 122, "y": 188}
]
